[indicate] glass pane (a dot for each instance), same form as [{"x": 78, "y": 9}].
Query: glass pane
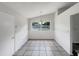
[
  {"x": 45, "y": 25},
  {"x": 36, "y": 25}
]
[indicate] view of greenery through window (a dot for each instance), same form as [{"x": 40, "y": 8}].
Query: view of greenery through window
[{"x": 41, "y": 25}]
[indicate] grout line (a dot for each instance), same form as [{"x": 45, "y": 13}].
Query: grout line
[{"x": 45, "y": 49}]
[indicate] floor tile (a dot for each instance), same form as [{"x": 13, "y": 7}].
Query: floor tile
[
  {"x": 49, "y": 53},
  {"x": 42, "y": 48},
  {"x": 29, "y": 49},
  {"x": 54, "y": 48},
  {"x": 48, "y": 48},
  {"x": 42, "y": 53},
  {"x": 36, "y": 48},
  {"x": 55, "y": 53},
  {"x": 28, "y": 53},
  {"x": 35, "y": 53}
]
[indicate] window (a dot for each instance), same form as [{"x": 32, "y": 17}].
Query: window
[{"x": 41, "y": 25}]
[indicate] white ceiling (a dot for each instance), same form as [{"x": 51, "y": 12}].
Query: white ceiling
[{"x": 33, "y": 9}]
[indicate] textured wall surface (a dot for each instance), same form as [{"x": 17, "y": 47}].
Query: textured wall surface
[
  {"x": 63, "y": 28},
  {"x": 13, "y": 30}
]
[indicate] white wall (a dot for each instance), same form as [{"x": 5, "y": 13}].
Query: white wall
[
  {"x": 21, "y": 36},
  {"x": 42, "y": 34},
  {"x": 62, "y": 28},
  {"x": 6, "y": 34},
  {"x": 11, "y": 43}
]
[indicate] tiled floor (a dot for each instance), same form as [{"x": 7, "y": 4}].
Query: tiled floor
[{"x": 41, "y": 48}]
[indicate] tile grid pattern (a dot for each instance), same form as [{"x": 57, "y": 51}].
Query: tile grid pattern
[{"x": 41, "y": 48}]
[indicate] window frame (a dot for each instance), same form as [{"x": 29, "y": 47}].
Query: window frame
[{"x": 40, "y": 29}]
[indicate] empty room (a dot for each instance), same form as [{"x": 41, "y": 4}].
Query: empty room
[{"x": 39, "y": 28}]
